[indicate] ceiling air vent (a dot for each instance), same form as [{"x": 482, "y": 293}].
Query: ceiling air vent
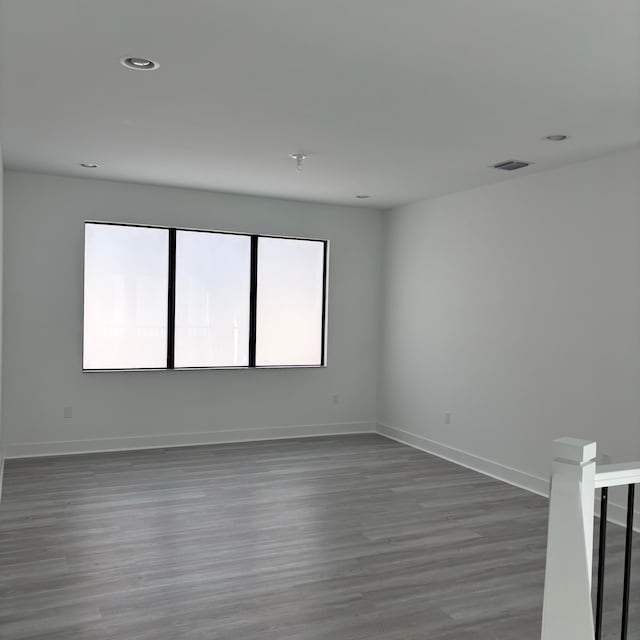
[{"x": 511, "y": 165}]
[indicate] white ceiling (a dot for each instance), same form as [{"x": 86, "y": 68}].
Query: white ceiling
[{"x": 402, "y": 99}]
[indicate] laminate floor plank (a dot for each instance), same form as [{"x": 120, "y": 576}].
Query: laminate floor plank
[{"x": 335, "y": 538}]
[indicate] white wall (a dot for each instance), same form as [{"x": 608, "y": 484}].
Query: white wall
[
  {"x": 516, "y": 306},
  {"x": 1, "y": 315},
  {"x": 43, "y": 326}
]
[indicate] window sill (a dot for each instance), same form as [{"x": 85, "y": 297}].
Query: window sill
[{"x": 265, "y": 367}]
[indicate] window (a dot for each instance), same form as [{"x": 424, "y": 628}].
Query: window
[
  {"x": 126, "y": 275},
  {"x": 213, "y": 281},
  {"x": 290, "y": 302},
  {"x": 158, "y": 298}
]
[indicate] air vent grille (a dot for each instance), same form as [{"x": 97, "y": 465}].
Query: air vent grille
[{"x": 511, "y": 165}]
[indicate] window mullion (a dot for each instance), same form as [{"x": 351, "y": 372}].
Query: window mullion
[
  {"x": 323, "y": 337},
  {"x": 253, "y": 301},
  {"x": 171, "y": 307}
]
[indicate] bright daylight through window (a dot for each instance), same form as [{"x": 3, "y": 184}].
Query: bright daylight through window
[{"x": 164, "y": 298}]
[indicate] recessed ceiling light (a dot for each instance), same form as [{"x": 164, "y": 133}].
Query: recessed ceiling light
[
  {"x": 139, "y": 64},
  {"x": 89, "y": 165},
  {"x": 362, "y": 196},
  {"x": 556, "y": 137}
]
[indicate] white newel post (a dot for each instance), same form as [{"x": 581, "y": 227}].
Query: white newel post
[{"x": 567, "y": 611}]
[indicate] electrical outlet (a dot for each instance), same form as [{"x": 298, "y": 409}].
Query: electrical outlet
[
  {"x": 67, "y": 412},
  {"x": 447, "y": 417}
]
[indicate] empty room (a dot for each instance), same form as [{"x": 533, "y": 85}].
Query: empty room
[{"x": 320, "y": 320}]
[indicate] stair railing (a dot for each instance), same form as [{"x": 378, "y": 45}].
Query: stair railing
[{"x": 567, "y": 608}]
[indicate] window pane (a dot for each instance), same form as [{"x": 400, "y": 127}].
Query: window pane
[
  {"x": 125, "y": 297},
  {"x": 290, "y": 299},
  {"x": 212, "y": 299}
]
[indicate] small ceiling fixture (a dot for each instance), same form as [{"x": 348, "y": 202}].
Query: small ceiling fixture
[
  {"x": 139, "y": 64},
  {"x": 363, "y": 196},
  {"x": 556, "y": 137},
  {"x": 511, "y": 165},
  {"x": 89, "y": 165},
  {"x": 299, "y": 158}
]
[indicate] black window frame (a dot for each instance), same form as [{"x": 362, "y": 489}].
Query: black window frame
[{"x": 253, "y": 296}]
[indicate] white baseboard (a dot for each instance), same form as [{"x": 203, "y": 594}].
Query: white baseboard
[
  {"x": 161, "y": 441},
  {"x": 487, "y": 467},
  {"x": 616, "y": 513}
]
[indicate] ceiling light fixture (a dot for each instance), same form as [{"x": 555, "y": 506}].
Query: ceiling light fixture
[
  {"x": 556, "y": 137},
  {"x": 299, "y": 158},
  {"x": 139, "y": 64},
  {"x": 89, "y": 165}
]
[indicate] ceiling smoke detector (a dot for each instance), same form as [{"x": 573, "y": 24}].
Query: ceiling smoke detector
[
  {"x": 511, "y": 165},
  {"x": 89, "y": 165},
  {"x": 139, "y": 64},
  {"x": 556, "y": 137}
]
